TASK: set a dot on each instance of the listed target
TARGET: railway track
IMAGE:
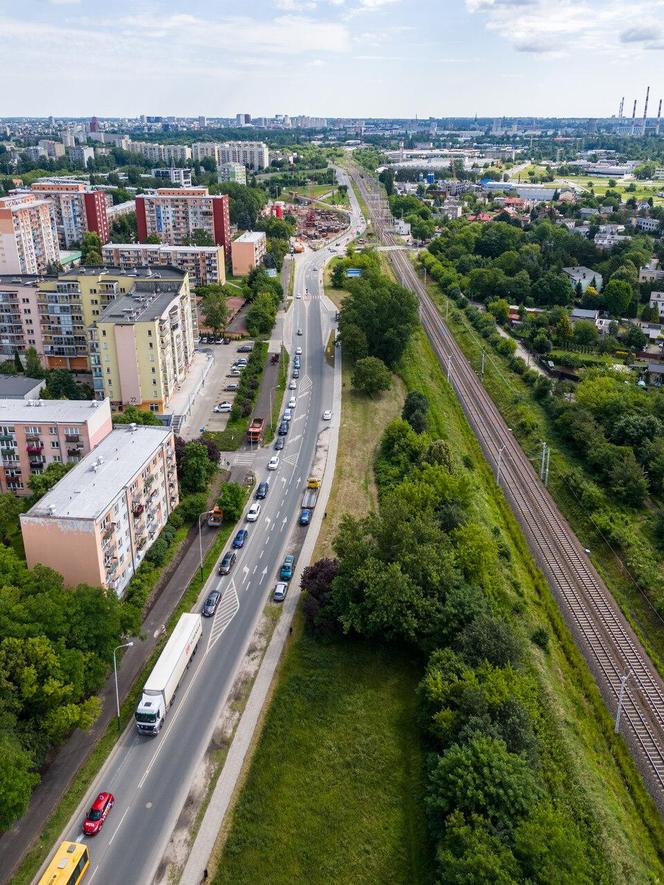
(608, 643)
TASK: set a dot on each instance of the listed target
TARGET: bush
(231, 500)
(540, 637)
(158, 552)
(192, 506)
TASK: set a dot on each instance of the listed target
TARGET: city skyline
(472, 56)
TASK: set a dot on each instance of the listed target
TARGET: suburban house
(584, 277)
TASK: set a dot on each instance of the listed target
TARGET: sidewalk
(69, 758)
(196, 866)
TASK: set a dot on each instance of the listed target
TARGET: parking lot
(203, 417)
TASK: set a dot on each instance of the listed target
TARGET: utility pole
(543, 462)
(483, 358)
(500, 462)
(623, 685)
(449, 368)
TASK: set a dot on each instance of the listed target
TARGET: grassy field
(600, 185)
(585, 763)
(308, 190)
(335, 790)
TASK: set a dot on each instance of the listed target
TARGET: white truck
(162, 683)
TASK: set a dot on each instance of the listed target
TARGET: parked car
(292, 402)
(298, 351)
(245, 348)
(327, 415)
(223, 407)
(296, 362)
(263, 489)
(233, 386)
(273, 463)
(240, 538)
(280, 592)
(101, 807)
(283, 428)
(240, 362)
(296, 373)
(305, 516)
(286, 570)
(227, 562)
(279, 443)
(292, 385)
(211, 603)
(253, 512)
(288, 415)
(234, 373)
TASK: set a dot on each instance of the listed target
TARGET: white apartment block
(652, 272)
(96, 525)
(160, 153)
(202, 149)
(81, 154)
(648, 225)
(175, 175)
(204, 264)
(28, 236)
(253, 154)
(657, 300)
(235, 172)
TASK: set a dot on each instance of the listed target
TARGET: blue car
(286, 571)
(305, 516)
(240, 538)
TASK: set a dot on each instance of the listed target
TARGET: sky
(348, 58)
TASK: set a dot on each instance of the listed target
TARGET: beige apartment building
(204, 264)
(253, 154)
(247, 252)
(96, 525)
(36, 433)
(173, 214)
(75, 208)
(142, 345)
(28, 236)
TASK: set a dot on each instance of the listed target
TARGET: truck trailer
(255, 430)
(320, 460)
(309, 499)
(162, 683)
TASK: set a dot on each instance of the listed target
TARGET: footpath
(69, 758)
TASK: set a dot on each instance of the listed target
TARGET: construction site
(315, 224)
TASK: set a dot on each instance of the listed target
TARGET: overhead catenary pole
(623, 686)
(500, 462)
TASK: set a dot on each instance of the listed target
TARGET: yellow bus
(68, 866)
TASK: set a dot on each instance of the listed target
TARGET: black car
(283, 428)
(227, 562)
(279, 443)
(296, 373)
(211, 603)
(262, 490)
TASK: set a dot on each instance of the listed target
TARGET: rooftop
(102, 269)
(251, 236)
(147, 301)
(581, 273)
(159, 247)
(45, 410)
(94, 483)
(15, 386)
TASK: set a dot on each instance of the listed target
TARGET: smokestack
(645, 111)
(634, 111)
(622, 105)
(659, 116)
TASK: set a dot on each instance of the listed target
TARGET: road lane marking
(93, 873)
(228, 608)
(110, 841)
(260, 555)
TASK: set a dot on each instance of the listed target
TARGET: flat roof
(159, 247)
(142, 271)
(85, 493)
(16, 385)
(41, 411)
(251, 236)
(146, 301)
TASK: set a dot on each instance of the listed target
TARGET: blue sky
(330, 57)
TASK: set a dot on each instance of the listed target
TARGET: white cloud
(554, 27)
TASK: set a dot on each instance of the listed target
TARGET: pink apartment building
(36, 433)
(28, 237)
(96, 525)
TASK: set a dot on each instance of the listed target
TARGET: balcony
(35, 448)
(137, 509)
(7, 437)
(108, 531)
(74, 453)
(72, 437)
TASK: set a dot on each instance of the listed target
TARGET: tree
(415, 411)
(354, 343)
(215, 312)
(196, 468)
(553, 288)
(17, 778)
(134, 415)
(200, 237)
(317, 584)
(585, 332)
(500, 309)
(261, 314)
(18, 365)
(40, 483)
(231, 500)
(371, 376)
(490, 639)
(483, 778)
(470, 853)
(33, 366)
(635, 338)
(617, 297)
(91, 248)
(152, 240)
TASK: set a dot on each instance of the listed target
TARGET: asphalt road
(150, 777)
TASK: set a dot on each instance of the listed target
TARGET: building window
(53, 430)
(55, 444)
(57, 458)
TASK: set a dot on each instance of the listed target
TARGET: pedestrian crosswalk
(243, 458)
(228, 608)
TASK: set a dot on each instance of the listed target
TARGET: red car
(98, 814)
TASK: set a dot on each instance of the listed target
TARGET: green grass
(586, 766)
(89, 770)
(644, 189)
(335, 790)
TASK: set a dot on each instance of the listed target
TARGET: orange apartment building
(247, 252)
(96, 525)
(36, 433)
(28, 238)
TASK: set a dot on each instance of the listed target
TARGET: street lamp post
(200, 539)
(115, 673)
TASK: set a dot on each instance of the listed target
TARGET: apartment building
(80, 154)
(28, 236)
(20, 324)
(247, 252)
(160, 153)
(253, 154)
(202, 149)
(142, 345)
(96, 525)
(36, 433)
(71, 302)
(648, 225)
(173, 214)
(652, 272)
(204, 264)
(75, 208)
(236, 172)
(52, 149)
(174, 174)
